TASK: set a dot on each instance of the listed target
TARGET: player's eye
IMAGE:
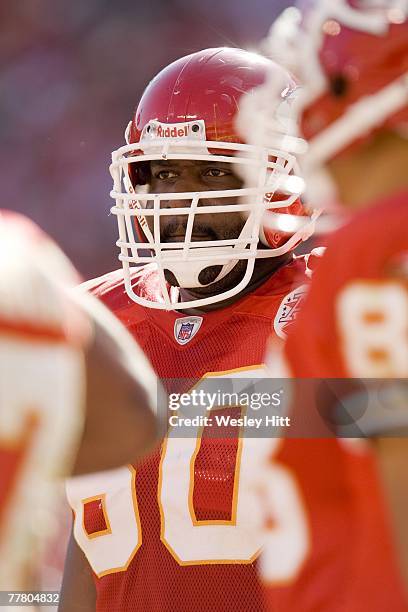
(215, 172)
(165, 175)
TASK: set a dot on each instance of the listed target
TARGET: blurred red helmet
(189, 111)
(351, 57)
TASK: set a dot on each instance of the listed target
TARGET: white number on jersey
(373, 320)
(189, 541)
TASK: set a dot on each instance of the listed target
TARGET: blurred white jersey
(42, 383)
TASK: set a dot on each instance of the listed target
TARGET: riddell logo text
(173, 132)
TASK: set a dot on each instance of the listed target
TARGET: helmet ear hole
(139, 173)
(339, 85)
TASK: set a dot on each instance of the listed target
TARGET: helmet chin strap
(187, 272)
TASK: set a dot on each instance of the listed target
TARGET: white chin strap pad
(187, 272)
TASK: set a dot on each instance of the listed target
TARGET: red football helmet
(189, 111)
(351, 57)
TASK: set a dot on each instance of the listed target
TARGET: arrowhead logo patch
(288, 310)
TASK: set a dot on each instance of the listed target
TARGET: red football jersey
(176, 532)
(353, 323)
(173, 534)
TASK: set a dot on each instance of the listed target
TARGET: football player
(175, 533)
(76, 393)
(352, 61)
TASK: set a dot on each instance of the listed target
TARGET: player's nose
(187, 183)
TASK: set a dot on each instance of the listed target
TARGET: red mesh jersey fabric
(94, 518)
(228, 339)
(157, 578)
(155, 581)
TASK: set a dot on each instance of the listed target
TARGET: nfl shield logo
(185, 331)
(186, 328)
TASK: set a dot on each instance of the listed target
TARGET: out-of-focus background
(71, 73)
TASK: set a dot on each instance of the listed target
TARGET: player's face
(177, 176)
(194, 176)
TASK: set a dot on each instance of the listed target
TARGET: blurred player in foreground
(352, 61)
(76, 393)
